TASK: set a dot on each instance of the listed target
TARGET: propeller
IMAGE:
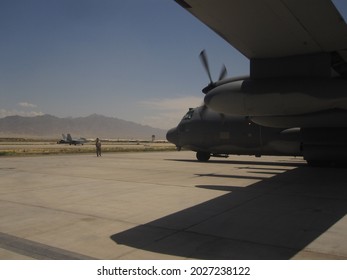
(204, 61)
(223, 73)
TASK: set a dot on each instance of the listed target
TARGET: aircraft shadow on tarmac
(272, 219)
(242, 162)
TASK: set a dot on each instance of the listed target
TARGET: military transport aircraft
(209, 133)
(298, 68)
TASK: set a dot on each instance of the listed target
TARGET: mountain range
(47, 126)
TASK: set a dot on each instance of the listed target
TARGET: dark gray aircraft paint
(297, 77)
(209, 133)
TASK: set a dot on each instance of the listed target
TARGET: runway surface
(166, 205)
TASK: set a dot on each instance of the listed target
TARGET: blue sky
(136, 60)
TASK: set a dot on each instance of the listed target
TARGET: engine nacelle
(281, 99)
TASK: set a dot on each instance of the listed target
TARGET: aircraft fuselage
(283, 102)
(205, 131)
(209, 133)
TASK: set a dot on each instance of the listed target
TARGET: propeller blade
(223, 73)
(203, 58)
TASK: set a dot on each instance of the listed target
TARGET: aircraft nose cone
(172, 136)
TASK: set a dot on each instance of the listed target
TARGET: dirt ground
(15, 147)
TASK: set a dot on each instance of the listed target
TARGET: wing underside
(276, 28)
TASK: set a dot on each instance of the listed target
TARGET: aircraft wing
(274, 28)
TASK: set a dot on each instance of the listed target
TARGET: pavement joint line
(69, 212)
(111, 179)
(37, 250)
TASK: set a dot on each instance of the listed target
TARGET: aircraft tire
(203, 156)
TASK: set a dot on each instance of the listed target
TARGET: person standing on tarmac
(98, 147)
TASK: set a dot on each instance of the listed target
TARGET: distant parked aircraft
(71, 141)
(63, 140)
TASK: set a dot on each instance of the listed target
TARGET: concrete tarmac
(166, 205)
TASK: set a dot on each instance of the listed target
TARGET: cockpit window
(189, 114)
